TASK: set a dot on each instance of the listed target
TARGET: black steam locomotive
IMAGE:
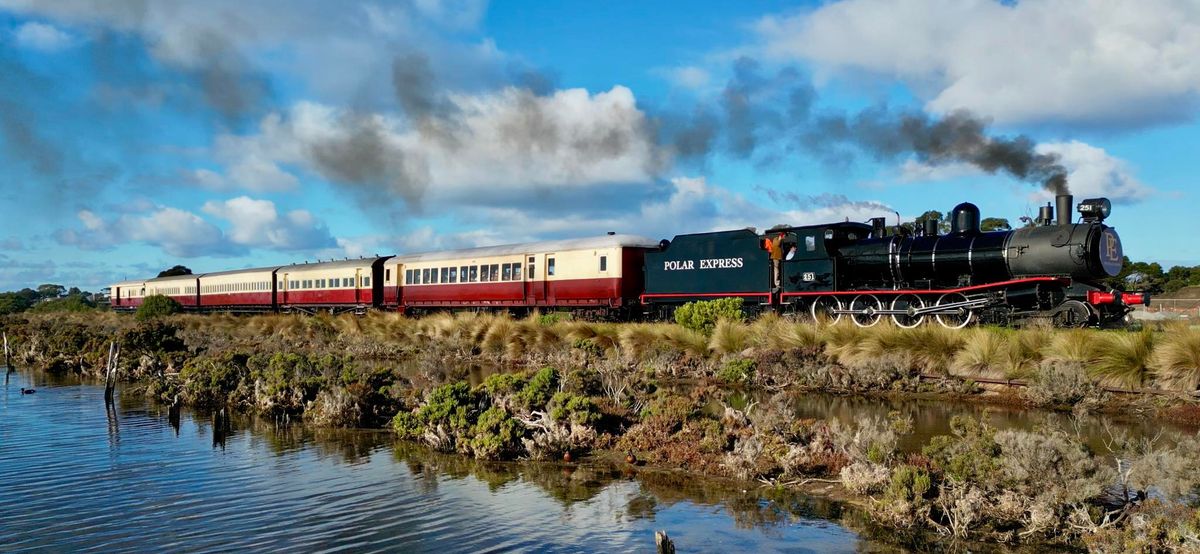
(1052, 270)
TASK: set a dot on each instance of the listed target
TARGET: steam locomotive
(861, 271)
(1051, 271)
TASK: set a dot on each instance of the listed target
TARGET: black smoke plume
(959, 137)
(767, 117)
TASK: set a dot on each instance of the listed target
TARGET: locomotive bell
(1095, 209)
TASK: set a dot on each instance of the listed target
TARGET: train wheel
(865, 310)
(908, 303)
(825, 309)
(957, 318)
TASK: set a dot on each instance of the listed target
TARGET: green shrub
(539, 389)
(578, 409)
(703, 316)
(908, 484)
(496, 435)
(970, 454)
(502, 384)
(737, 371)
(452, 405)
(408, 425)
(552, 318)
(157, 306)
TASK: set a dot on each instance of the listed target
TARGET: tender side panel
(727, 263)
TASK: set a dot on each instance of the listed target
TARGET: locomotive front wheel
(908, 303)
(826, 309)
(954, 317)
(865, 310)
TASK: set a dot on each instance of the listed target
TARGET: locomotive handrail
(1062, 280)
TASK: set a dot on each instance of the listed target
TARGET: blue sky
(139, 135)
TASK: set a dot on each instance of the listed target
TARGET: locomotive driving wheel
(909, 304)
(950, 314)
(865, 310)
(1072, 313)
(827, 309)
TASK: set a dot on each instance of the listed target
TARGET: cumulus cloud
(256, 223)
(1092, 171)
(1095, 62)
(178, 232)
(40, 36)
(509, 142)
(251, 224)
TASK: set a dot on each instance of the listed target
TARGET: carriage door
(358, 294)
(535, 284)
(284, 285)
(549, 267)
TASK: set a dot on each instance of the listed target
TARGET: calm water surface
(77, 477)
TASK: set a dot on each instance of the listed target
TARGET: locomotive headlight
(1095, 209)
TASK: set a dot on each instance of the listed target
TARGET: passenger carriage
(127, 295)
(603, 274)
(183, 289)
(241, 290)
(347, 285)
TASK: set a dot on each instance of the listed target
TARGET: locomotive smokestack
(1065, 203)
(1045, 215)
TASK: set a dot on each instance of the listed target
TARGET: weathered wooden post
(110, 377)
(663, 543)
(7, 361)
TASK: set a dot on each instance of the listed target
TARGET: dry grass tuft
(1123, 358)
(729, 337)
(984, 353)
(1176, 360)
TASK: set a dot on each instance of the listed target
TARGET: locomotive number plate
(809, 276)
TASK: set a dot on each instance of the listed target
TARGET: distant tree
(74, 291)
(51, 291)
(157, 305)
(995, 224)
(943, 224)
(69, 303)
(177, 270)
(12, 303)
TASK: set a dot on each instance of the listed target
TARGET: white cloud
(1101, 62)
(252, 224)
(177, 232)
(40, 36)
(1091, 171)
(496, 144)
(256, 223)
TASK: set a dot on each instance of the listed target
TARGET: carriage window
(550, 266)
(603, 263)
(425, 276)
(366, 281)
(516, 272)
(495, 272)
(506, 272)
(810, 243)
(445, 275)
(387, 275)
(454, 275)
(433, 276)
(474, 276)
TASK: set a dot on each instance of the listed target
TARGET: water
(77, 477)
